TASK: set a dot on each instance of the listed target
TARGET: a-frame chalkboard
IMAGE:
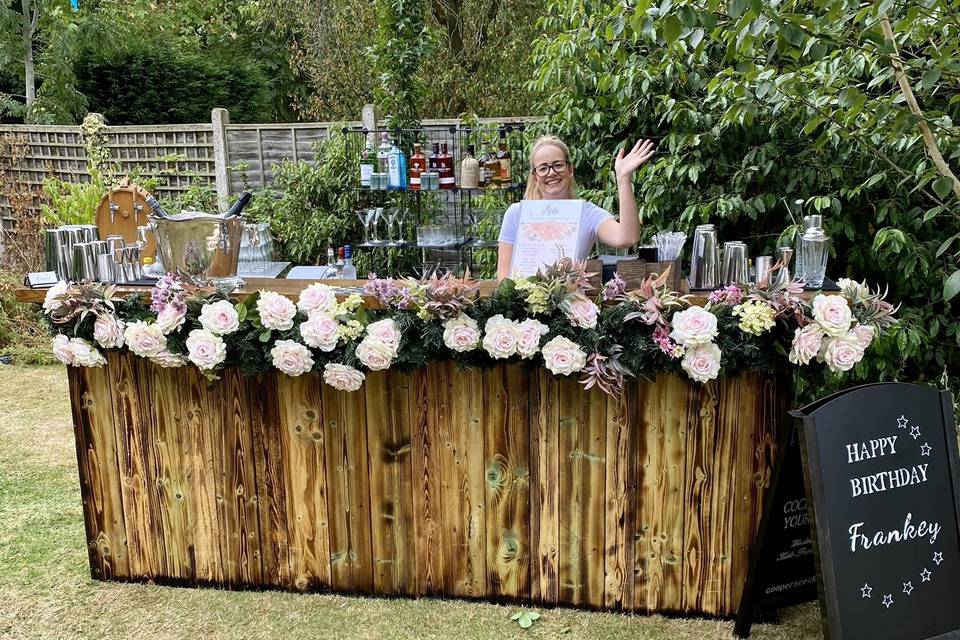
(881, 471)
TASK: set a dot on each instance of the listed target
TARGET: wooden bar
(505, 484)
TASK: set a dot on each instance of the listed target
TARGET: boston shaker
(735, 263)
(763, 265)
(705, 264)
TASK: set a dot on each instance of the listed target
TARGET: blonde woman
(551, 178)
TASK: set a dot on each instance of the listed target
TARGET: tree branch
(932, 148)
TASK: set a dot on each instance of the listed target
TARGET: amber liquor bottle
(418, 164)
(504, 159)
(445, 168)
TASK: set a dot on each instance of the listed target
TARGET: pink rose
(563, 356)
(168, 360)
(62, 350)
(317, 297)
(461, 333)
(172, 317)
(581, 311)
(528, 337)
(144, 340)
(841, 354)
(320, 331)
(342, 377)
(694, 326)
(85, 354)
(806, 344)
(50, 301)
(385, 331)
(702, 363)
(205, 349)
(864, 334)
(291, 358)
(108, 331)
(219, 317)
(276, 311)
(833, 314)
(374, 355)
(500, 339)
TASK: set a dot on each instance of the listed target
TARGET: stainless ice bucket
(200, 246)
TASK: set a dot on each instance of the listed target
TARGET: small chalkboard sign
(781, 563)
(881, 469)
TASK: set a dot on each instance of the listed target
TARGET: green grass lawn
(46, 591)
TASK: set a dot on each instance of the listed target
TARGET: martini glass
(390, 215)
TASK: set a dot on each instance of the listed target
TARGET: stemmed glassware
(377, 215)
(390, 215)
(401, 217)
(364, 216)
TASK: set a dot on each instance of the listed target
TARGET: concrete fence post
(368, 119)
(219, 120)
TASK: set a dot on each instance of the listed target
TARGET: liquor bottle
(445, 168)
(469, 170)
(505, 160)
(418, 164)
(490, 169)
(368, 160)
(154, 205)
(433, 162)
(383, 151)
(341, 262)
(397, 172)
(349, 271)
(237, 206)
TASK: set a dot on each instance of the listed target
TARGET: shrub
(23, 332)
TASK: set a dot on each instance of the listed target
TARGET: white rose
(168, 360)
(693, 326)
(702, 363)
(276, 311)
(833, 314)
(806, 344)
(386, 332)
(500, 336)
(529, 333)
(461, 333)
(563, 357)
(144, 340)
(864, 334)
(291, 358)
(49, 303)
(171, 318)
(581, 311)
(205, 349)
(85, 354)
(342, 377)
(841, 354)
(317, 297)
(374, 354)
(320, 331)
(219, 317)
(62, 349)
(108, 331)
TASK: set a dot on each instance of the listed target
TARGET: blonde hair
(533, 187)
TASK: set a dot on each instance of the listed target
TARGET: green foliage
(758, 103)
(71, 202)
(311, 202)
(402, 43)
(23, 331)
(525, 618)
(171, 86)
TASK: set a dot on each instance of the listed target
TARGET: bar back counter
(504, 484)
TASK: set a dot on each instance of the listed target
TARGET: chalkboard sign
(781, 563)
(881, 469)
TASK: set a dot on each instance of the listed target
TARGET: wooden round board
(121, 211)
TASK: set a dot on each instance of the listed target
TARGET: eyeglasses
(543, 170)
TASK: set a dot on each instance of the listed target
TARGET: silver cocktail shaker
(705, 263)
(762, 266)
(815, 249)
(735, 263)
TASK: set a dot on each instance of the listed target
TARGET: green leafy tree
(847, 106)
(401, 45)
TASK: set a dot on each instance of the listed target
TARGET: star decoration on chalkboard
(925, 449)
(915, 432)
(925, 574)
(938, 558)
(866, 590)
(902, 422)
(887, 600)
(908, 587)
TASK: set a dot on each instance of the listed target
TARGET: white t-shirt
(590, 220)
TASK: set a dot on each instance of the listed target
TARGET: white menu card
(547, 230)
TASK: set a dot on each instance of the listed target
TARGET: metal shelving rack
(462, 208)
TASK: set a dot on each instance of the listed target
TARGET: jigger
(783, 275)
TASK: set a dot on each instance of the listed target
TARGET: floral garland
(548, 319)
